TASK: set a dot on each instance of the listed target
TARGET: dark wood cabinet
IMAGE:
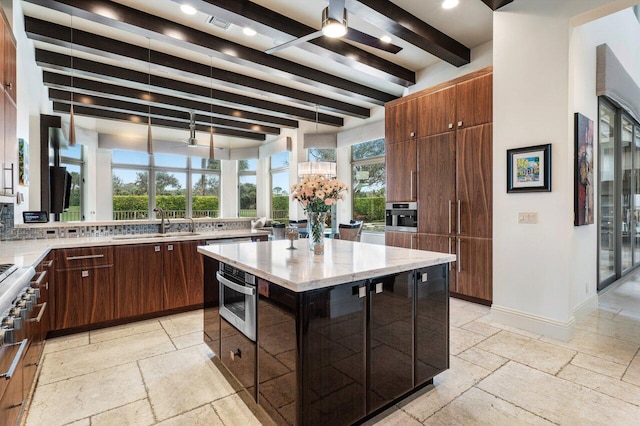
(474, 267)
(437, 184)
(475, 181)
(400, 239)
(390, 342)
(400, 121)
(474, 101)
(11, 389)
(10, 145)
(183, 274)
(9, 64)
(436, 112)
(401, 170)
(139, 279)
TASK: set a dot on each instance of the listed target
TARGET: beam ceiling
(496, 4)
(147, 25)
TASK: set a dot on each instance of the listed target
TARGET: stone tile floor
(159, 372)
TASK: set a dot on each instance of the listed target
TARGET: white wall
(536, 266)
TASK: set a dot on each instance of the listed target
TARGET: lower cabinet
(474, 268)
(400, 239)
(11, 389)
(139, 279)
(183, 274)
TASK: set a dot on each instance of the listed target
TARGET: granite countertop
(343, 261)
(31, 252)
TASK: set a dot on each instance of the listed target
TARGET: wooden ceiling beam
(391, 18)
(87, 111)
(57, 61)
(496, 4)
(282, 28)
(109, 48)
(111, 104)
(143, 24)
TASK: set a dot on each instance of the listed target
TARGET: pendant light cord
(72, 68)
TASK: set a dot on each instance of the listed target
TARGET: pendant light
(72, 120)
(211, 147)
(149, 135)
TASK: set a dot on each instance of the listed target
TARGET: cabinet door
(474, 102)
(238, 354)
(437, 184)
(69, 299)
(442, 244)
(432, 323)
(400, 239)
(390, 331)
(400, 121)
(13, 397)
(401, 171)
(9, 64)
(183, 275)
(333, 359)
(474, 156)
(138, 279)
(10, 145)
(474, 268)
(437, 112)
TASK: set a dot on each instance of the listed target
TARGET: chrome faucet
(163, 226)
(192, 225)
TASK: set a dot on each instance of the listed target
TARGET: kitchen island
(337, 337)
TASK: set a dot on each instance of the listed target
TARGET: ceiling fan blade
(336, 10)
(294, 42)
(362, 38)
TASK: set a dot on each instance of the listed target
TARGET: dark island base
(342, 354)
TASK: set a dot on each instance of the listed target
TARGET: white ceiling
(470, 23)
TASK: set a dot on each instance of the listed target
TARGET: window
(71, 158)
(182, 186)
(280, 187)
(368, 184)
(322, 154)
(247, 188)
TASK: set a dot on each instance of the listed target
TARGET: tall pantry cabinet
(8, 109)
(446, 166)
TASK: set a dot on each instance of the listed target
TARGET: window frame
(377, 159)
(81, 163)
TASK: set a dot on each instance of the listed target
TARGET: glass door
(626, 225)
(636, 196)
(606, 191)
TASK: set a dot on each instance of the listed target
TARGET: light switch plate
(528, 218)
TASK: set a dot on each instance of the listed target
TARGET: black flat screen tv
(60, 187)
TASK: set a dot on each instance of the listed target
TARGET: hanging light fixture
(72, 120)
(325, 168)
(149, 135)
(211, 147)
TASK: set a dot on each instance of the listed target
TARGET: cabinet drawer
(84, 257)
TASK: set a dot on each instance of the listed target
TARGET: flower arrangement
(317, 193)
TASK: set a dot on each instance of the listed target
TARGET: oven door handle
(249, 291)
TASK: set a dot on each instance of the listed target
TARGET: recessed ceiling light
(385, 39)
(249, 31)
(450, 4)
(188, 9)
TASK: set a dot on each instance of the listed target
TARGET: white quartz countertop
(343, 261)
(31, 252)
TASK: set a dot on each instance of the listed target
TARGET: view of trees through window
(368, 184)
(247, 188)
(173, 176)
(280, 188)
(71, 158)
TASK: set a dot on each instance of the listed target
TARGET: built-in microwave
(238, 299)
(402, 217)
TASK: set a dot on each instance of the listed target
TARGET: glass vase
(315, 228)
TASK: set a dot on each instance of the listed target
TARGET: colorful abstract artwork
(529, 169)
(584, 179)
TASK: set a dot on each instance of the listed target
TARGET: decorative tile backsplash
(9, 232)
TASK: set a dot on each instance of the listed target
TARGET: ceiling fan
(335, 25)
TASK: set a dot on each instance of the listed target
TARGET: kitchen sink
(181, 234)
(141, 236)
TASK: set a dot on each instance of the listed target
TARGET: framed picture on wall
(529, 169)
(23, 162)
(583, 168)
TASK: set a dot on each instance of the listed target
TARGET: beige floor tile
(86, 359)
(66, 342)
(124, 330)
(599, 365)
(598, 345)
(487, 320)
(476, 407)
(182, 380)
(460, 317)
(80, 397)
(393, 417)
(601, 383)
(233, 412)
(476, 307)
(632, 375)
(622, 330)
(187, 340)
(483, 358)
(626, 315)
(481, 328)
(460, 340)
(201, 416)
(448, 385)
(534, 353)
(137, 413)
(83, 422)
(555, 399)
(181, 324)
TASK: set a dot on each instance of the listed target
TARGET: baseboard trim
(585, 309)
(533, 323)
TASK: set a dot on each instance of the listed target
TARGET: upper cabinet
(474, 104)
(437, 112)
(9, 64)
(400, 121)
(8, 110)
